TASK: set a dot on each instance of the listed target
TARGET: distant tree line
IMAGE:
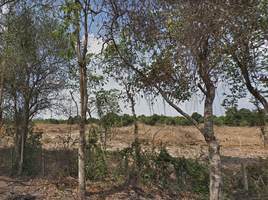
(233, 117)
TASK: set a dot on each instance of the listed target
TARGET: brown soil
(238, 144)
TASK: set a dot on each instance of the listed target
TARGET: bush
(197, 117)
(219, 121)
(62, 121)
(93, 120)
(46, 121)
(127, 120)
(141, 119)
(152, 120)
(182, 121)
(170, 121)
(111, 120)
(33, 147)
(258, 178)
(160, 169)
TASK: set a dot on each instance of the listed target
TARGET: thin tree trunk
(81, 149)
(83, 95)
(21, 154)
(81, 161)
(137, 143)
(3, 68)
(17, 136)
(25, 117)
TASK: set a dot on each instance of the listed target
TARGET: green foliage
(158, 168)
(95, 166)
(219, 121)
(170, 121)
(62, 191)
(93, 120)
(127, 120)
(71, 15)
(141, 119)
(32, 150)
(193, 173)
(152, 120)
(161, 119)
(242, 117)
(258, 178)
(47, 121)
(197, 117)
(74, 120)
(107, 102)
(63, 121)
(182, 121)
(111, 120)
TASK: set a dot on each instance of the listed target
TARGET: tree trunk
(21, 154)
(84, 99)
(215, 187)
(137, 143)
(25, 120)
(3, 70)
(82, 141)
(81, 161)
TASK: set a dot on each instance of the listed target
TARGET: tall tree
(246, 43)
(78, 16)
(173, 53)
(35, 68)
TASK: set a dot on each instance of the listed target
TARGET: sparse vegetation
(167, 171)
(178, 51)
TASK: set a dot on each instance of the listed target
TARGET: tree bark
(215, 187)
(81, 149)
(25, 117)
(84, 99)
(3, 70)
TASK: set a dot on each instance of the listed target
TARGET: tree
(35, 68)
(246, 35)
(4, 26)
(79, 15)
(173, 53)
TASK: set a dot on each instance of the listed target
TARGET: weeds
(258, 178)
(47, 140)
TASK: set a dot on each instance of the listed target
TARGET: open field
(236, 142)
(238, 145)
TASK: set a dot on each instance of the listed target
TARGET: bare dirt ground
(238, 144)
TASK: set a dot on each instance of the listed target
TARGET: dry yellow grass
(236, 142)
(173, 135)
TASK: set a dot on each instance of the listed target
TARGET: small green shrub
(33, 147)
(156, 167)
(258, 178)
(95, 164)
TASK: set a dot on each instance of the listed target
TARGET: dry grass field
(236, 142)
(238, 145)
